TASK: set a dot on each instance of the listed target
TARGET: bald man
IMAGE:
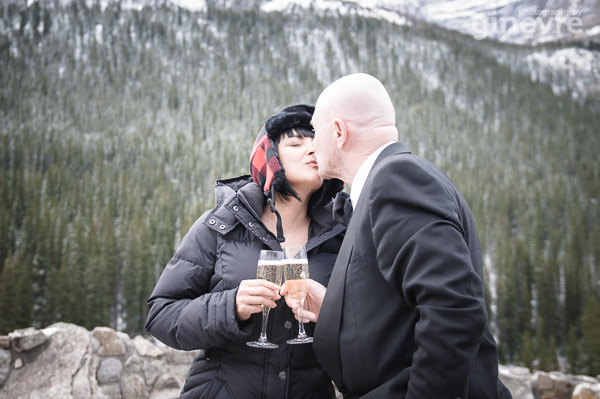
(404, 314)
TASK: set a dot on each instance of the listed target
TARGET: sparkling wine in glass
(268, 268)
(295, 271)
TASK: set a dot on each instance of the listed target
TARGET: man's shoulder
(403, 163)
(408, 175)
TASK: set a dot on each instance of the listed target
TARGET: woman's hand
(312, 303)
(252, 294)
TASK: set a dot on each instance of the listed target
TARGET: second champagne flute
(268, 268)
(295, 271)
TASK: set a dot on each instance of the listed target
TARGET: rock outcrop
(554, 385)
(66, 361)
(69, 362)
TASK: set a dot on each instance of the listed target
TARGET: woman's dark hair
(285, 190)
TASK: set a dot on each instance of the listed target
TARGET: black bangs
(294, 132)
(298, 132)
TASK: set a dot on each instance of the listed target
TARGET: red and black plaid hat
(265, 165)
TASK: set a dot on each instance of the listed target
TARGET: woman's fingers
(247, 305)
(245, 311)
(252, 295)
(256, 300)
(262, 283)
(260, 288)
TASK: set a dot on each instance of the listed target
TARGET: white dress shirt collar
(363, 172)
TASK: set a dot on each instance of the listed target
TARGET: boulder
(167, 386)
(517, 380)
(175, 356)
(109, 391)
(67, 361)
(48, 373)
(145, 348)
(26, 339)
(110, 344)
(82, 388)
(586, 390)
(134, 387)
(555, 385)
(4, 365)
(109, 371)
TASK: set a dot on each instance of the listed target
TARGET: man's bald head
(358, 99)
(353, 117)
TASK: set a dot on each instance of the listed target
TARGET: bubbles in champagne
(269, 270)
(295, 269)
(296, 275)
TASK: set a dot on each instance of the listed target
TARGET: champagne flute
(268, 268)
(295, 271)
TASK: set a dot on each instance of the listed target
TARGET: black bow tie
(342, 208)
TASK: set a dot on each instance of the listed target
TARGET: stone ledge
(65, 360)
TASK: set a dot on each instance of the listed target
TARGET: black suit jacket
(404, 315)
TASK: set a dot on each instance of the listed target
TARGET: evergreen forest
(115, 123)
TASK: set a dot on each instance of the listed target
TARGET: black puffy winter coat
(193, 303)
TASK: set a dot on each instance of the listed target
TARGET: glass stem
(265, 318)
(301, 332)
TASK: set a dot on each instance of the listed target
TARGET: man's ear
(340, 132)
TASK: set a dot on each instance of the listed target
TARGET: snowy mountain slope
(518, 22)
(538, 27)
(523, 22)
(507, 21)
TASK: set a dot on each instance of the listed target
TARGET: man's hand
(252, 294)
(312, 303)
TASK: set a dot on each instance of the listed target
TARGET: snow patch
(367, 9)
(193, 5)
(594, 31)
(581, 68)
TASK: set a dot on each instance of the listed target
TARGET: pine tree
(552, 354)
(527, 356)
(9, 312)
(542, 352)
(573, 356)
(590, 342)
(16, 299)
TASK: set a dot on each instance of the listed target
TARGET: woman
(208, 296)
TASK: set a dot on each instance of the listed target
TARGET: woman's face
(298, 159)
